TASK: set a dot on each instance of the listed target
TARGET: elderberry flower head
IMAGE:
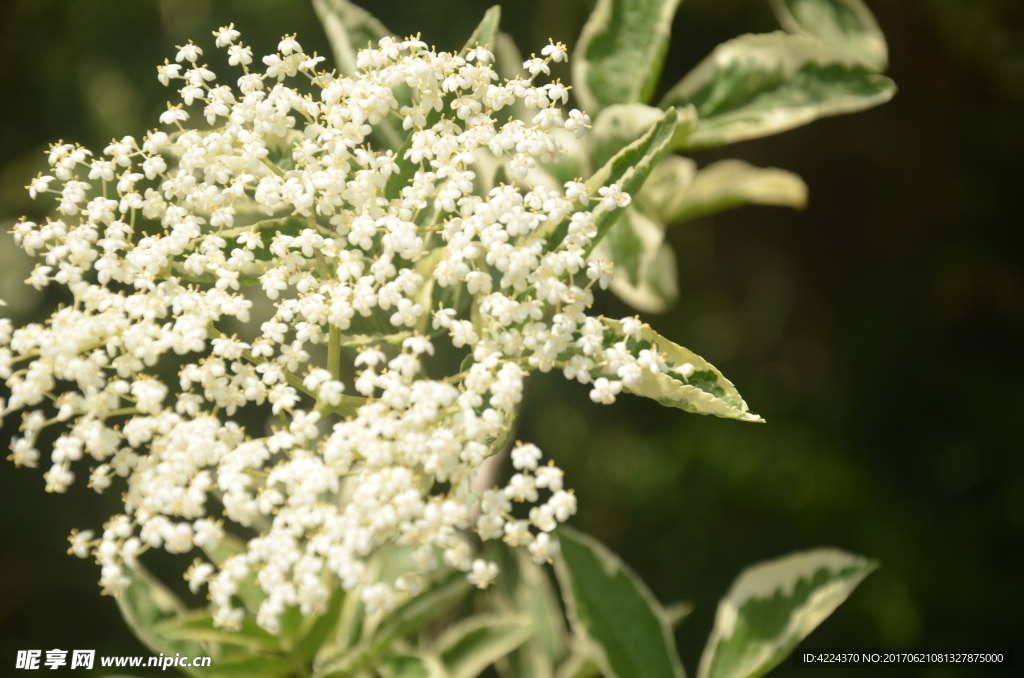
(284, 218)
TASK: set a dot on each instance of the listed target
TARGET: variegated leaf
(486, 32)
(622, 626)
(619, 125)
(197, 625)
(704, 391)
(845, 25)
(628, 169)
(670, 178)
(620, 52)
(645, 266)
(145, 604)
(721, 186)
(474, 643)
(773, 606)
(420, 665)
(757, 85)
(349, 29)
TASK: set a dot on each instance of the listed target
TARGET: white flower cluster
(366, 249)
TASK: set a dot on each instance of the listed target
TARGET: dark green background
(879, 332)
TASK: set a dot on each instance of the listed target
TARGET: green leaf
(508, 63)
(486, 32)
(610, 607)
(629, 169)
(705, 391)
(721, 186)
(249, 591)
(348, 653)
(145, 604)
(421, 665)
(667, 182)
(423, 608)
(536, 597)
(773, 606)
(526, 588)
(844, 25)
(324, 625)
(473, 644)
(349, 28)
(620, 52)
(619, 125)
(678, 612)
(250, 665)
(579, 664)
(645, 266)
(757, 85)
(198, 625)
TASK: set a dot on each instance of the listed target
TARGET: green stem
(274, 168)
(334, 353)
(348, 405)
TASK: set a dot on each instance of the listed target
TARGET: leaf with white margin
(620, 52)
(343, 657)
(645, 265)
(421, 665)
(619, 125)
(620, 624)
(668, 181)
(198, 625)
(628, 169)
(508, 64)
(526, 587)
(472, 644)
(249, 591)
(724, 185)
(678, 612)
(579, 664)
(350, 28)
(486, 31)
(757, 85)
(705, 391)
(844, 25)
(774, 605)
(145, 604)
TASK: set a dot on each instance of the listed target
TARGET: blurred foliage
(878, 332)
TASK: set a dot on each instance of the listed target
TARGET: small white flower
(239, 55)
(168, 72)
(226, 35)
(535, 66)
(189, 52)
(482, 574)
(577, 122)
(40, 184)
(480, 54)
(289, 45)
(544, 549)
(604, 391)
(613, 196)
